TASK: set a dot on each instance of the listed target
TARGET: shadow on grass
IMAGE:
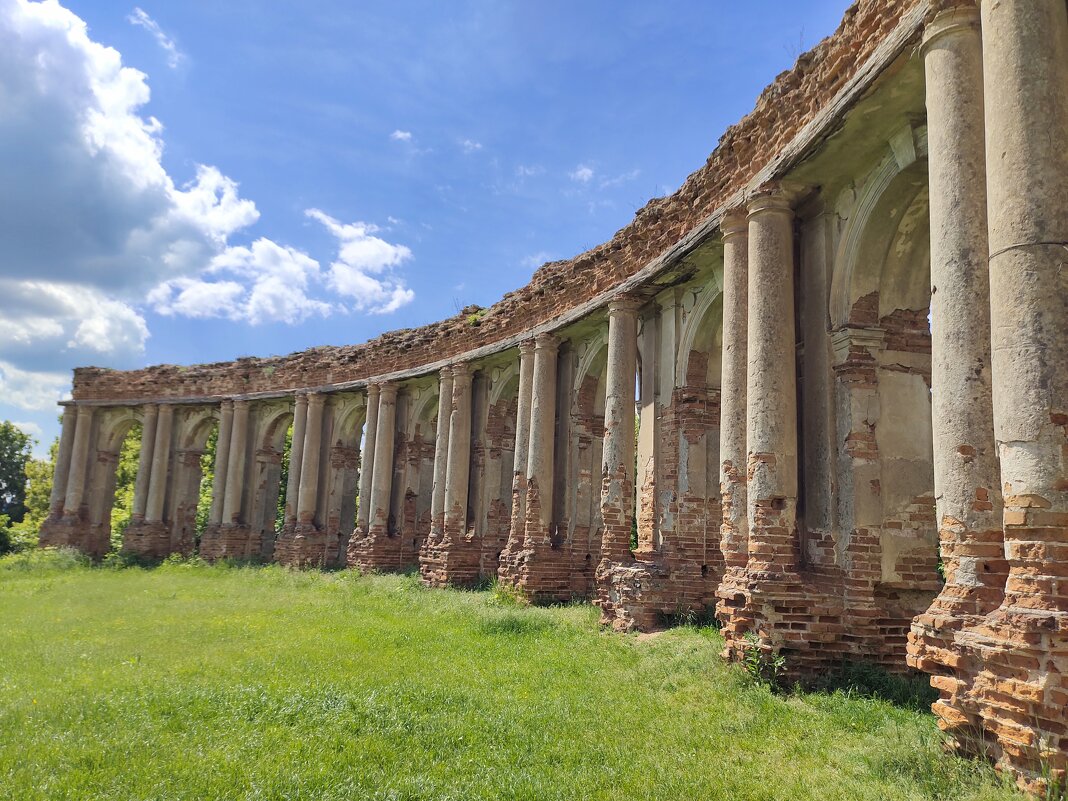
(910, 691)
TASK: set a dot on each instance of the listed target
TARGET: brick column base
(376, 551)
(302, 545)
(76, 533)
(450, 563)
(148, 540)
(796, 615)
(229, 542)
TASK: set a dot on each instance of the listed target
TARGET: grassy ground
(194, 682)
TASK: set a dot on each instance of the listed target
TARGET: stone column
(540, 443)
(1025, 47)
(441, 455)
(522, 438)
(771, 387)
(967, 483)
(617, 461)
(161, 460)
(296, 455)
(458, 476)
(367, 458)
(309, 463)
(144, 462)
(734, 530)
(79, 459)
(1023, 645)
(235, 467)
(382, 480)
(62, 470)
(222, 456)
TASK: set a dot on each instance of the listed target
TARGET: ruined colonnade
(817, 391)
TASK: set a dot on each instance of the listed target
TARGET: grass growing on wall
(195, 682)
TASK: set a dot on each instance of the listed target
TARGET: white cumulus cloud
(401, 136)
(32, 389)
(363, 269)
(94, 229)
(263, 283)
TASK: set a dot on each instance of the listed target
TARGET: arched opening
(414, 481)
(342, 492)
(125, 479)
(497, 398)
(580, 446)
(205, 496)
(190, 496)
(696, 407)
(883, 388)
(269, 474)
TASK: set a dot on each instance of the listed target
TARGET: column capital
(461, 371)
(84, 411)
(624, 304)
(546, 341)
(958, 19)
(150, 408)
(315, 398)
(226, 402)
(387, 389)
(526, 347)
(772, 199)
(735, 223)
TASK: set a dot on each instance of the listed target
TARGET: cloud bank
(96, 231)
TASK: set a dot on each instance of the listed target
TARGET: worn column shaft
(522, 441)
(1025, 46)
(458, 477)
(382, 480)
(62, 470)
(771, 387)
(310, 456)
(542, 435)
(79, 458)
(222, 456)
(734, 530)
(161, 460)
(617, 461)
(367, 458)
(296, 455)
(441, 453)
(144, 461)
(235, 468)
(967, 485)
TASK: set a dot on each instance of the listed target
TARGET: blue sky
(195, 181)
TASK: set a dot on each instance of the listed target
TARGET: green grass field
(194, 682)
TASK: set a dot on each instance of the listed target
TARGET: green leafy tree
(38, 498)
(15, 453)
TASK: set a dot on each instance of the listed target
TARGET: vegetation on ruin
(189, 681)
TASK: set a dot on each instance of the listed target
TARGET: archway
(888, 541)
